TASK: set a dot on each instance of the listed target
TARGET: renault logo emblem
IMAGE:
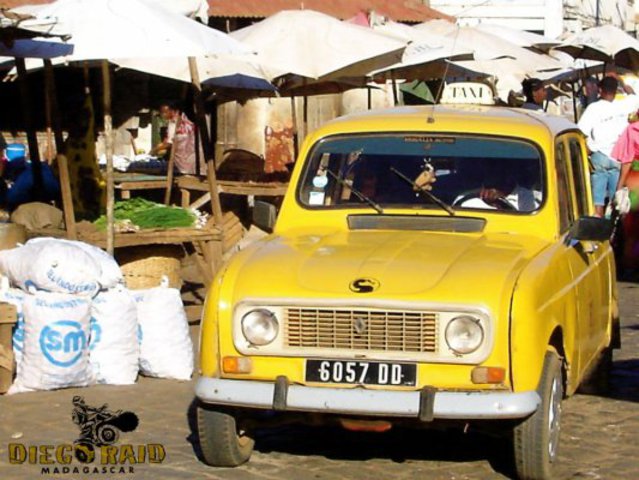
(364, 285)
(360, 325)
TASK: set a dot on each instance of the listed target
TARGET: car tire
(223, 444)
(535, 440)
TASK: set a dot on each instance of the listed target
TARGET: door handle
(590, 247)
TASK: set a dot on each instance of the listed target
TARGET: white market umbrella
(308, 49)
(105, 29)
(425, 56)
(109, 29)
(35, 48)
(493, 56)
(605, 43)
(317, 46)
(222, 71)
(487, 46)
(521, 38)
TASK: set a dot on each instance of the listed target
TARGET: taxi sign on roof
(468, 93)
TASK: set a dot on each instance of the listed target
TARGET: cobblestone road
(599, 437)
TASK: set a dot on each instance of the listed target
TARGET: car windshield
(392, 170)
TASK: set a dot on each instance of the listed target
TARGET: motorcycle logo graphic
(98, 427)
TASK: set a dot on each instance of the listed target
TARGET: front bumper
(426, 404)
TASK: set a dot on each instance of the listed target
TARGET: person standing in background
(180, 135)
(603, 122)
(535, 93)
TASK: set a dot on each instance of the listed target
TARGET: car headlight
(464, 334)
(260, 326)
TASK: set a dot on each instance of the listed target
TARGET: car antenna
(431, 116)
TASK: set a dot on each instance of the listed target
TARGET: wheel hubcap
(554, 415)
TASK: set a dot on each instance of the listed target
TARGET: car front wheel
(536, 439)
(223, 442)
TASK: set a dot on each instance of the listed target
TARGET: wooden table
(127, 182)
(188, 183)
(206, 241)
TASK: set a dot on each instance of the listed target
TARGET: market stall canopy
(217, 71)
(605, 44)
(508, 64)
(318, 47)
(34, 48)
(487, 46)
(109, 29)
(521, 38)
(425, 55)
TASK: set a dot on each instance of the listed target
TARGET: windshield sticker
(316, 198)
(320, 181)
(424, 139)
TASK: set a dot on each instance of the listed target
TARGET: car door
(599, 254)
(577, 329)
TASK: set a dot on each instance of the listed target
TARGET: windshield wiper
(357, 193)
(423, 190)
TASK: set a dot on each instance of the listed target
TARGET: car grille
(381, 330)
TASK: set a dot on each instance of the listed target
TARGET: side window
(566, 210)
(578, 176)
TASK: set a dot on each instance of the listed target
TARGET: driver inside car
(506, 185)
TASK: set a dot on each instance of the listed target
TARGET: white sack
(56, 334)
(111, 274)
(166, 350)
(53, 266)
(113, 347)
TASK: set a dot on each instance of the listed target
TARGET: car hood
(428, 265)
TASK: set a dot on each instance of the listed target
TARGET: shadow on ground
(398, 445)
(624, 382)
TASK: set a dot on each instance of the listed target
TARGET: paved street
(599, 438)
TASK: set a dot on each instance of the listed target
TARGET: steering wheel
(500, 203)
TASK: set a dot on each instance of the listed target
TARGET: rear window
(466, 172)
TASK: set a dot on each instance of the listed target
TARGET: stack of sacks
(65, 287)
(78, 324)
(166, 349)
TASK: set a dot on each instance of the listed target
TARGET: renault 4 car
(428, 267)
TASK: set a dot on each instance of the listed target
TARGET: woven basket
(144, 267)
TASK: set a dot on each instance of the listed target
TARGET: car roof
(452, 118)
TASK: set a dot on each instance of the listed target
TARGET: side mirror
(591, 229)
(264, 215)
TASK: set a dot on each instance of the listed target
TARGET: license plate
(370, 373)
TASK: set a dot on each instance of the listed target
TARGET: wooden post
(395, 94)
(108, 142)
(206, 144)
(574, 101)
(32, 139)
(296, 147)
(369, 95)
(52, 97)
(305, 116)
(67, 198)
(169, 167)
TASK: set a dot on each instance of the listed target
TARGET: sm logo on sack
(62, 342)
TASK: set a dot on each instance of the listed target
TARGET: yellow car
(428, 266)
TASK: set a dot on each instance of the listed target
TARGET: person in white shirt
(603, 122)
(506, 185)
